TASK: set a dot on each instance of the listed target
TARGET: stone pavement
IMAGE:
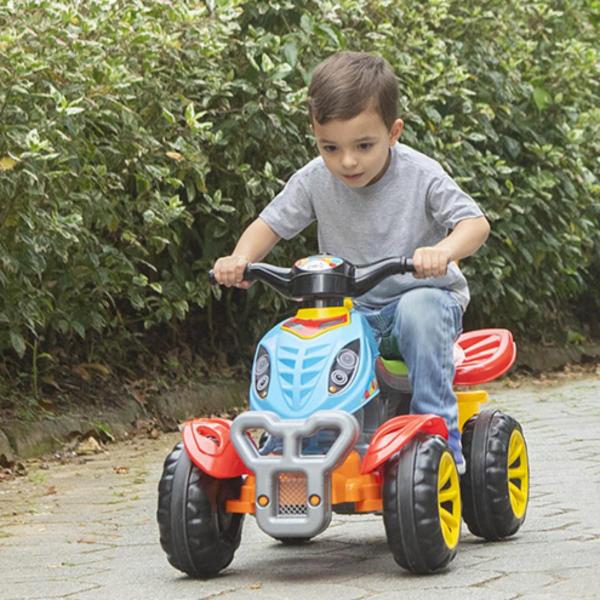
(87, 531)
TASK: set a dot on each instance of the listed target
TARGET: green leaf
(542, 98)
(290, 51)
(266, 63)
(18, 343)
(79, 328)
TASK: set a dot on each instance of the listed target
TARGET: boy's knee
(421, 305)
(421, 312)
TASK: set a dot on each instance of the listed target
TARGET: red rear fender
(486, 354)
(208, 444)
(396, 433)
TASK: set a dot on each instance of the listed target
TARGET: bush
(138, 139)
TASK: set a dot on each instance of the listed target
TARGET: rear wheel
(495, 487)
(422, 506)
(199, 537)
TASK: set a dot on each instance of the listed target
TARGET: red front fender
(396, 433)
(208, 444)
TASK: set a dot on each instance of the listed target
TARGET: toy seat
(479, 356)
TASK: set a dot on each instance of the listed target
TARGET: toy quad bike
(336, 438)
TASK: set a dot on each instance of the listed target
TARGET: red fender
(396, 433)
(488, 353)
(208, 444)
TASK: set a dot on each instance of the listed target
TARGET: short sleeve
(448, 204)
(291, 210)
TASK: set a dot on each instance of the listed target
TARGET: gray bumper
(289, 482)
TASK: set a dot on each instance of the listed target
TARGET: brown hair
(346, 83)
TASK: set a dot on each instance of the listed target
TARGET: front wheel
(495, 487)
(422, 506)
(199, 537)
(293, 541)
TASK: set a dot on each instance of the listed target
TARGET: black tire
(494, 498)
(293, 541)
(411, 505)
(196, 533)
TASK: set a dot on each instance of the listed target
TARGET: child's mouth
(353, 177)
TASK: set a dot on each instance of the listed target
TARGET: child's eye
(365, 146)
(329, 148)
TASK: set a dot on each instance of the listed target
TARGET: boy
(374, 198)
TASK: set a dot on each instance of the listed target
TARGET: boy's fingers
(229, 270)
(427, 265)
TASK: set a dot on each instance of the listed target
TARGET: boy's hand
(229, 271)
(430, 261)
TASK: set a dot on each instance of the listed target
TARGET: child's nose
(348, 160)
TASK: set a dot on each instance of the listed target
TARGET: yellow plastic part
(315, 314)
(325, 312)
(468, 404)
(518, 473)
(449, 500)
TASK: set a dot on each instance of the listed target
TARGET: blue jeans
(423, 325)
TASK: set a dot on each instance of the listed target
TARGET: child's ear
(396, 131)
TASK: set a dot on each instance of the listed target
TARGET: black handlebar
(328, 277)
(368, 276)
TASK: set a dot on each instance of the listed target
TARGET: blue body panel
(300, 368)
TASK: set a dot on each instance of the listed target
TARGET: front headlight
(262, 372)
(344, 367)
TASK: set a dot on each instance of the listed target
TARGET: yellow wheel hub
(449, 500)
(518, 473)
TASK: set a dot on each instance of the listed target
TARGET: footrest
(485, 355)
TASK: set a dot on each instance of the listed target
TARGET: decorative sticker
(320, 262)
(373, 387)
(310, 328)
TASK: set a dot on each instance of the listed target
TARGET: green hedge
(138, 139)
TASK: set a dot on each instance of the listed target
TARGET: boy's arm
(466, 238)
(255, 243)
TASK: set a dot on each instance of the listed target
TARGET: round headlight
(262, 364)
(347, 359)
(339, 377)
(262, 383)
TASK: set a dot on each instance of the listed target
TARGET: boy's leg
(427, 322)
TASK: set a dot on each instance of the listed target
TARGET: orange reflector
(314, 500)
(262, 500)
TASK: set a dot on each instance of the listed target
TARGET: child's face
(356, 151)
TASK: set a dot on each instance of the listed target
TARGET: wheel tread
(410, 508)
(486, 505)
(201, 548)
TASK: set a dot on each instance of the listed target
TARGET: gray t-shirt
(414, 204)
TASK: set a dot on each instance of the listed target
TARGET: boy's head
(347, 83)
(353, 101)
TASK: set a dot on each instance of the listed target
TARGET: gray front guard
(317, 469)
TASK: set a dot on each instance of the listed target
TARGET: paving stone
(88, 531)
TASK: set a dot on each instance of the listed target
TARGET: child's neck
(383, 170)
